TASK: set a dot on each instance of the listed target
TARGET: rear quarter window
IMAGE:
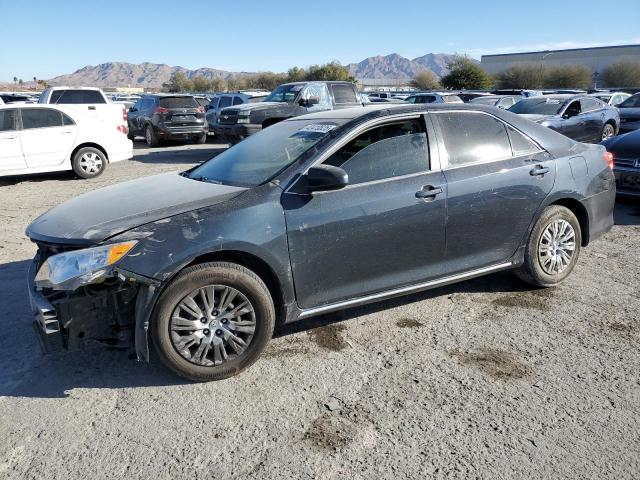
(343, 93)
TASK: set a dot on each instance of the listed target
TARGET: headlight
(244, 116)
(70, 270)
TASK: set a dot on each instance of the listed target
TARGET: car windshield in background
(179, 102)
(604, 98)
(284, 93)
(262, 156)
(256, 99)
(631, 102)
(485, 100)
(538, 106)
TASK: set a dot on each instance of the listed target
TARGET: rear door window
(225, 102)
(343, 93)
(471, 137)
(590, 104)
(40, 118)
(387, 151)
(179, 102)
(7, 120)
(237, 100)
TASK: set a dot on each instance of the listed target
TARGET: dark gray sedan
(312, 215)
(625, 150)
(581, 117)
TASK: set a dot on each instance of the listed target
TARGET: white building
(596, 58)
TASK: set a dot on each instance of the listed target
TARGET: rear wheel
(151, 137)
(89, 162)
(608, 131)
(553, 247)
(202, 138)
(213, 321)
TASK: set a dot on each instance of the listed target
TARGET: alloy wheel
(608, 131)
(212, 325)
(91, 163)
(556, 247)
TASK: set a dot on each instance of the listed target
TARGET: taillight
(201, 109)
(162, 110)
(608, 157)
(122, 129)
(124, 114)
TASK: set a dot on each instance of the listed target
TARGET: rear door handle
(539, 170)
(91, 108)
(428, 192)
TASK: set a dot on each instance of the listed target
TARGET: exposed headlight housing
(70, 270)
(244, 116)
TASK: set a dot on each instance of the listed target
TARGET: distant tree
(296, 74)
(218, 84)
(20, 82)
(15, 79)
(623, 73)
(266, 80)
(568, 76)
(43, 84)
(35, 80)
(425, 80)
(464, 73)
(521, 76)
(237, 83)
(328, 71)
(200, 84)
(179, 83)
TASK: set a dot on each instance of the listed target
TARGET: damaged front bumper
(113, 312)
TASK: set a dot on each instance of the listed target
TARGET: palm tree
(15, 79)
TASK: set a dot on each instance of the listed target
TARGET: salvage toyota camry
(313, 215)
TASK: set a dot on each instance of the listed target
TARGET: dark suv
(167, 117)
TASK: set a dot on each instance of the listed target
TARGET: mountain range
(388, 68)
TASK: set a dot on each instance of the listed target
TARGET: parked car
(581, 117)
(161, 117)
(612, 99)
(466, 97)
(626, 162)
(433, 97)
(50, 138)
(630, 114)
(376, 100)
(16, 98)
(500, 101)
(224, 100)
(312, 215)
(286, 101)
(89, 100)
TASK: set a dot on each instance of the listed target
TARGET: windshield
(262, 156)
(284, 93)
(604, 98)
(631, 102)
(538, 106)
(485, 100)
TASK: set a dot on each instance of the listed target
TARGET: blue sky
(48, 38)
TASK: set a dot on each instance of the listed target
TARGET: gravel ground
(484, 379)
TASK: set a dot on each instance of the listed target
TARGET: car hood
(95, 216)
(624, 146)
(536, 117)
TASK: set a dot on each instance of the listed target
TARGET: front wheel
(553, 247)
(608, 131)
(213, 321)
(89, 162)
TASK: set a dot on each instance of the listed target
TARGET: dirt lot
(484, 379)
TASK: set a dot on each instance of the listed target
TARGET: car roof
(73, 88)
(344, 82)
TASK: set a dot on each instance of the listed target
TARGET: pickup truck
(86, 100)
(286, 101)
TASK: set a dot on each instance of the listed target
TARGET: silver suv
(224, 100)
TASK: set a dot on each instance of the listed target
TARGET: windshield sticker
(317, 128)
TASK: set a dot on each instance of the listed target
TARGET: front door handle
(428, 192)
(539, 170)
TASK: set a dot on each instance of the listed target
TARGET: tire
(89, 162)
(190, 346)
(608, 131)
(151, 137)
(130, 135)
(539, 268)
(202, 138)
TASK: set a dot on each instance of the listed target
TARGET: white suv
(37, 138)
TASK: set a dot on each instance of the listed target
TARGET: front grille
(228, 117)
(627, 162)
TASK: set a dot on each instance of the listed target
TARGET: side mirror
(133, 109)
(309, 102)
(326, 177)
